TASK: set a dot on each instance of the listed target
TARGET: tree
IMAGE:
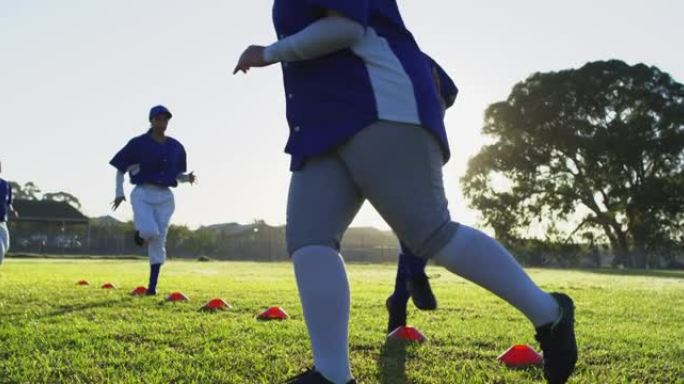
(601, 147)
(32, 191)
(63, 197)
(28, 192)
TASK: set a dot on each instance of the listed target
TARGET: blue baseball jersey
(5, 199)
(150, 162)
(384, 76)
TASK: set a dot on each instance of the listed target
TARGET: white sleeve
(327, 35)
(119, 184)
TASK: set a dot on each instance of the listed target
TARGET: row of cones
(216, 304)
(517, 356)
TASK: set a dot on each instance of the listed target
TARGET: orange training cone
(83, 282)
(177, 296)
(139, 291)
(405, 333)
(216, 305)
(273, 313)
(108, 286)
(519, 356)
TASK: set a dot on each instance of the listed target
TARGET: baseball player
(5, 209)
(366, 123)
(155, 163)
(411, 280)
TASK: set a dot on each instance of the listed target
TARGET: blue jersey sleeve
(447, 88)
(9, 194)
(124, 158)
(357, 10)
(183, 161)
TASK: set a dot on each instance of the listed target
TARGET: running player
(6, 208)
(412, 281)
(155, 163)
(365, 123)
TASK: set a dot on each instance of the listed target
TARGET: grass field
(630, 326)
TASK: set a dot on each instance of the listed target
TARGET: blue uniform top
(384, 76)
(5, 199)
(151, 162)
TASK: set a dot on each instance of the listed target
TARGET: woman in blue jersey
(155, 163)
(366, 124)
(6, 209)
(411, 280)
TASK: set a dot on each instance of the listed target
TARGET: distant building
(48, 226)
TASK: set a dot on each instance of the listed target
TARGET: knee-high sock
(324, 293)
(479, 258)
(154, 277)
(401, 293)
(412, 264)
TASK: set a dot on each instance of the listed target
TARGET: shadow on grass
(393, 363)
(67, 309)
(673, 274)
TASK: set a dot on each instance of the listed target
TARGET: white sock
(477, 257)
(324, 292)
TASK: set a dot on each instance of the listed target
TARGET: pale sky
(77, 78)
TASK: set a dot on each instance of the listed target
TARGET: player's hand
(117, 202)
(14, 212)
(253, 56)
(192, 179)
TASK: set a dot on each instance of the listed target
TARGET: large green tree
(597, 149)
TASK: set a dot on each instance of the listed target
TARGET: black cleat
(311, 376)
(139, 241)
(421, 292)
(150, 293)
(397, 315)
(558, 342)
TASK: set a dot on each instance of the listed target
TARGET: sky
(77, 78)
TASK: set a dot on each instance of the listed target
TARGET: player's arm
(329, 34)
(119, 196)
(446, 88)
(183, 177)
(187, 178)
(124, 161)
(9, 203)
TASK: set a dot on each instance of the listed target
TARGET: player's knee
(428, 245)
(297, 244)
(157, 255)
(149, 233)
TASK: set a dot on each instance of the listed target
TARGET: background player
(411, 280)
(6, 209)
(155, 163)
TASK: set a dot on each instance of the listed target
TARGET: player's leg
(4, 241)
(411, 282)
(163, 210)
(143, 202)
(397, 302)
(408, 192)
(417, 282)
(322, 202)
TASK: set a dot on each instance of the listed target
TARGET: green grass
(630, 327)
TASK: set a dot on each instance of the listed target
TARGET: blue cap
(159, 110)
